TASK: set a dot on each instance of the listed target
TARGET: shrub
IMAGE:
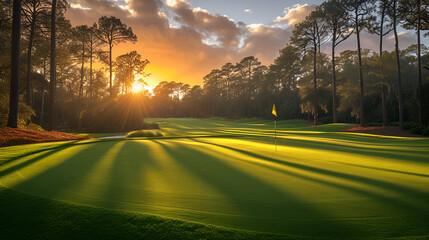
(410, 125)
(34, 127)
(326, 120)
(418, 129)
(394, 124)
(374, 124)
(145, 133)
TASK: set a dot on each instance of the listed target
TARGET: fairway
(321, 183)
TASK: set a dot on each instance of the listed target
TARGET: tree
(53, 73)
(247, 66)
(127, 67)
(195, 94)
(359, 11)
(338, 23)
(394, 16)
(309, 35)
(82, 35)
(382, 29)
(94, 44)
(32, 9)
(227, 70)
(15, 60)
(112, 31)
(412, 13)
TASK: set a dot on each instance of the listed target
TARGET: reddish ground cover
(14, 136)
(387, 131)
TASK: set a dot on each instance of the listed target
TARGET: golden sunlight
(137, 87)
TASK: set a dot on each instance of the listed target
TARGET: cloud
(265, 42)
(79, 6)
(219, 29)
(372, 41)
(295, 14)
(248, 11)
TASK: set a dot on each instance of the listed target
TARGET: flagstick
(275, 133)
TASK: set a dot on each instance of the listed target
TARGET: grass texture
(145, 133)
(220, 179)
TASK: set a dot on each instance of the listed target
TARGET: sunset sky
(186, 39)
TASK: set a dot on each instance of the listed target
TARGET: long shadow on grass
(28, 162)
(339, 147)
(422, 196)
(43, 149)
(383, 169)
(266, 207)
(125, 177)
(69, 174)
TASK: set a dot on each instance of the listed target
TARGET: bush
(394, 124)
(411, 125)
(418, 129)
(34, 127)
(145, 133)
(326, 120)
(374, 124)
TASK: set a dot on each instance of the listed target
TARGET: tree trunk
(315, 105)
(43, 93)
(398, 70)
(52, 69)
(250, 90)
(82, 70)
(362, 108)
(15, 58)
(30, 46)
(419, 65)
(383, 79)
(334, 90)
(90, 71)
(110, 66)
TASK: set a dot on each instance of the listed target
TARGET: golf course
(219, 179)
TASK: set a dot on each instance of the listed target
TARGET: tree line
(359, 85)
(56, 64)
(304, 81)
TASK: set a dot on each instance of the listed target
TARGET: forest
(64, 77)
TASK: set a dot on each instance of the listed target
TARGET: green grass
(220, 179)
(99, 135)
(145, 133)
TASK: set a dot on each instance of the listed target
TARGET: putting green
(320, 183)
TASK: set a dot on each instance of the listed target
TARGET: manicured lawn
(99, 135)
(216, 176)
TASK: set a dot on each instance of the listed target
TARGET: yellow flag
(274, 112)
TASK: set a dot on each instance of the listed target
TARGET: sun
(138, 87)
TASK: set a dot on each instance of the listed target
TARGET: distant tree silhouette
(53, 73)
(415, 13)
(382, 28)
(112, 31)
(338, 23)
(15, 60)
(127, 67)
(309, 34)
(394, 15)
(360, 13)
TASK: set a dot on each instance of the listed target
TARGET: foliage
(127, 67)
